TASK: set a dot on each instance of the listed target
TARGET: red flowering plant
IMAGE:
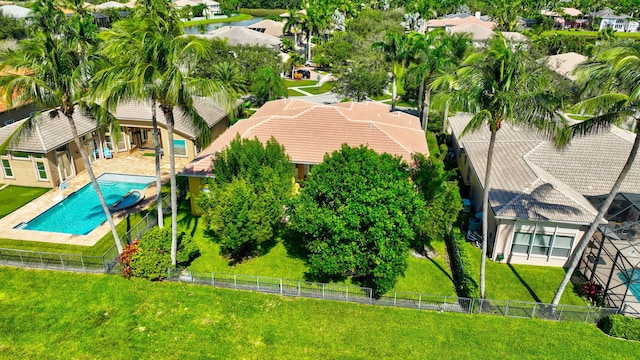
(127, 256)
(593, 292)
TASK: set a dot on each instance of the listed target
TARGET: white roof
(111, 4)
(15, 11)
(238, 35)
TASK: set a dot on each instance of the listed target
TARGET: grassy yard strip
(294, 92)
(381, 97)
(239, 17)
(315, 90)
(263, 12)
(522, 282)
(298, 83)
(14, 197)
(67, 315)
(592, 34)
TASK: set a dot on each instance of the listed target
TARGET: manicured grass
(293, 92)
(235, 18)
(523, 282)
(263, 12)
(14, 197)
(592, 34)
(297, 83)
(381, 97)
(60, 315)
(326, 87)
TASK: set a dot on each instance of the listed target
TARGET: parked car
(302, 74)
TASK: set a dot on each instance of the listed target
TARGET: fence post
(444, 305)
(82, 261)
(258, 283)
(280, 286)
(395, 295)
(370, 296)
(298, 288)
(191, 274)
(561, 310)
(169, 273)
(41, 261)
(588, 312)
(323, 290)
(235, 284)
(506, 309)
(419, 301)
(533, 312)
(347, 293)
(21, 259)
(61, 261)
(213, 279)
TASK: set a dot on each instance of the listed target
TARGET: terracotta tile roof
(534, 180)
(448, 22)
(308, 131)
(478, 32)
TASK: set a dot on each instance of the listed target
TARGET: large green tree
(356, 216)
(502, 84)
(396, 50)
(360, 80)
(612, 82)
(57, 55)
(252, 183)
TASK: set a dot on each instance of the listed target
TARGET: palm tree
(163, 73)
(229, 75)
(395, 48)
(293, 26)
(499, 84)
(294, 61)
(612, 78)
(314, 20)
(59, 69)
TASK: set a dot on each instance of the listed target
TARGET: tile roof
(534, 180)
(478, 32)
(50, 132)
(460, 21)
(53, 132)
(308, 131)
(564, 64)
(273, 28)
(238, 35)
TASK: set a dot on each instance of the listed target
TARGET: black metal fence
(363, 295)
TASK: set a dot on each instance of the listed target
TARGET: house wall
(196, 184)
(24, 173)
(505, 234)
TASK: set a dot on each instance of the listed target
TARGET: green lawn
(14, 197)
(522, 282)
(297, 83)
(293, 92)
(592, 34)
(326, 87)
(381, 97)
(235, 18)
(58, 315)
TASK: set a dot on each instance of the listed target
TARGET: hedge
(461, 266)
(621, 326)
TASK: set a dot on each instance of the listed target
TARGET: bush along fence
(461, 268)
(362, 295)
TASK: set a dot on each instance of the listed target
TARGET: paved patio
(133, 164)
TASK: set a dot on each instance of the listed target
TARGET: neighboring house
(565, 64)
(111, 5)
(238, 35)
(269, 27)
(609, 19)
(542, 199)
(15, 11)
(49, 155)
(570, 18)
(212, 7)
(308, 131)
(449, 22)
(481, 34)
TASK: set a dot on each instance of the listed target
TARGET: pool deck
(132, 164)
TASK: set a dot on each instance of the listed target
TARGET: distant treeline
(270, 4)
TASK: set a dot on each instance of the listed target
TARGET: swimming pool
(632, 280)
(81, 211)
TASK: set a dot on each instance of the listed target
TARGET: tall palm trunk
(577, 253)
(393, 92)
(168, 114)
(420, 96)
(94, 181)
(485, 211)
(308, 45)
(425, 108)
(156, 145)
(445, 117)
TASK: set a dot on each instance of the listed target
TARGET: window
(6, 168)
(20, 155)
(41, 170)
(541, 241)
(180, 147)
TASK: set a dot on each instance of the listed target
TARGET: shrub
(621, 326)
(461, 265)
(593, 292)
(126, 257)
(152, 255)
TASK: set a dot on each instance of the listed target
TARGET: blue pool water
(632, 280)
(81, 212)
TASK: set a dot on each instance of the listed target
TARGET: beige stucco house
(308, 131)
(542, 199)
(48, 155)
